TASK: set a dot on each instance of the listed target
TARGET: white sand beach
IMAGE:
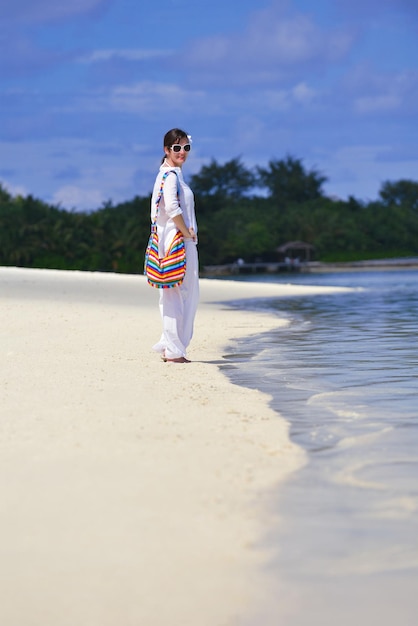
(133, 492)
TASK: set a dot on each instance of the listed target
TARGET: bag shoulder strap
(160, 192)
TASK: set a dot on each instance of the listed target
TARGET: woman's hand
(188, 233)
(192, 234)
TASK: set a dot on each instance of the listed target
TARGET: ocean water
(344, 373)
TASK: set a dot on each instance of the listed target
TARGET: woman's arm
(171, 201)
(173, 208)
(181, 226)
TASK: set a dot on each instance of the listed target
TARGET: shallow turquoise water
(344, 373)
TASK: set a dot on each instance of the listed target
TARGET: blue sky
(89, 88)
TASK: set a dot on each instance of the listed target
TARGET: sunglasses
(177, 147)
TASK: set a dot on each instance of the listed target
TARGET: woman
(176, 212)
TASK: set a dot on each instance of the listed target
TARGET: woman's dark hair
(173, 136)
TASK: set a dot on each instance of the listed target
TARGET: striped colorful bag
(169, 270)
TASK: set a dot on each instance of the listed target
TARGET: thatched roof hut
(296, 249)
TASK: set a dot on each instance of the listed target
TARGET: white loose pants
(178, 307)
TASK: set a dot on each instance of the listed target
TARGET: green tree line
(242, 213)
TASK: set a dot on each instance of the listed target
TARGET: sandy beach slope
(133, 492)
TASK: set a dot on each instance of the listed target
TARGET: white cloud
(303, 94)
(273, 44)
(100, 171)
(373, 8)
(148, 96)
(21, 49)
(273, 99)
(294, 39)
(362, 166)
(72, 196)
(277, 99)
(30, 11)
(374, 91)
(373, 104)
(19, 54)
(14, 190)
(126, 54)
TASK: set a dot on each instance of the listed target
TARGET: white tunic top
(170, 206)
